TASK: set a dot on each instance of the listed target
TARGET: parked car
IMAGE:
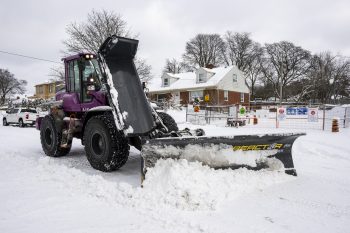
(20, 116)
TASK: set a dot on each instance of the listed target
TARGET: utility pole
(281, 89)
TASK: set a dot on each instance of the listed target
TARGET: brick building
(222, 86)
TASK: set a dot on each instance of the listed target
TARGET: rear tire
(20, 123)
(168, 121)
(51, 138)
(4, 122)
(106, 147)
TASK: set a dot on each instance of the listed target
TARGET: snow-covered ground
(42, 194)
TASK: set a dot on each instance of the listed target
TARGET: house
(46, 90)
(216, 86)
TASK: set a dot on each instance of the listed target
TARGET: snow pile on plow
(192, 186)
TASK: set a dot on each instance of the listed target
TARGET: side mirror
(7, 111)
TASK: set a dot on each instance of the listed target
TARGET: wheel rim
(4, 122)
(48, 136)
(20, 123)
(98, 144)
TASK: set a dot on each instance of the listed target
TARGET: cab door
(72, 100)
(90, 84)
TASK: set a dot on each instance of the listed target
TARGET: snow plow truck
(105, 106)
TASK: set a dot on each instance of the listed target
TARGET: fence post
(210, 116)
(345, 118)
(276, 118)
(324, 117)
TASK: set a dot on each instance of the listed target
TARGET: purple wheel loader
(105, 106)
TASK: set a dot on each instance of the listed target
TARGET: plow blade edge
(270, 151)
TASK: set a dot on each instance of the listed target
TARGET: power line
(30, 57)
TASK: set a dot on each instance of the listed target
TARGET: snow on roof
(48, 82)
(188, 80)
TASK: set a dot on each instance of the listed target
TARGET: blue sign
(297, 111)
(291, 111)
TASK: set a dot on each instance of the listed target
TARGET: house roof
(48, 82)
(188, 80)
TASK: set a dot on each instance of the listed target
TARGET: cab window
(73, 77)
(90, 78)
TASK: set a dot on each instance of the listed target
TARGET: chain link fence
(286, 116)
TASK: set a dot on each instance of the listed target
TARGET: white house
(222, 85)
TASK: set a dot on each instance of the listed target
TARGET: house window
(226, 95)
(196, 94)
(201, 78)
(234, 78)
(50, 88)
(242, 97)
(166, 82)
(161, 97)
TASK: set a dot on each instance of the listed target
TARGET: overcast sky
(37, 28)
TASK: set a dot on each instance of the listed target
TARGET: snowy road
(41, 194)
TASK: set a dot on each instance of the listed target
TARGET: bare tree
(57, 73)
(246, 54)
(204, 50)
(341, 80)
(9, 85)
(175, 67)
(88, 36)
(284, 63)
(143, 70)
(299, 90)
(239, 49)
(330, 77)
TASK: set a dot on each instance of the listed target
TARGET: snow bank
(191, 186)
(175, 184)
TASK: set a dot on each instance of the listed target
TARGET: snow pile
(191, 186)
(175, 184)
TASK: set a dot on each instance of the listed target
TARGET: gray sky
(37, 28)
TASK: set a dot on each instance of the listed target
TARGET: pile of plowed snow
(177, 184)
(191, 186)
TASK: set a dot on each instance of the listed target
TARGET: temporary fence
(286, 116)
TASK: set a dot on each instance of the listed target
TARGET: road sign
(312, 115)
(242, 110)
(281, 114)
(206, 98)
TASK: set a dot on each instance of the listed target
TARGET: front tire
(106, 147)
(4, 122)
(51, 138)
(168, 121)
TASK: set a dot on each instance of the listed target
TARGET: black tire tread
(168, 121)
(19, 124)
(119, 144)
(57, 151)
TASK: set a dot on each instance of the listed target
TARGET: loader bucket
(130, 102)
(271, 151)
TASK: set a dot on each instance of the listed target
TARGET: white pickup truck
(20, 116)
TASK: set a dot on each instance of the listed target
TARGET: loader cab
(83, 75)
